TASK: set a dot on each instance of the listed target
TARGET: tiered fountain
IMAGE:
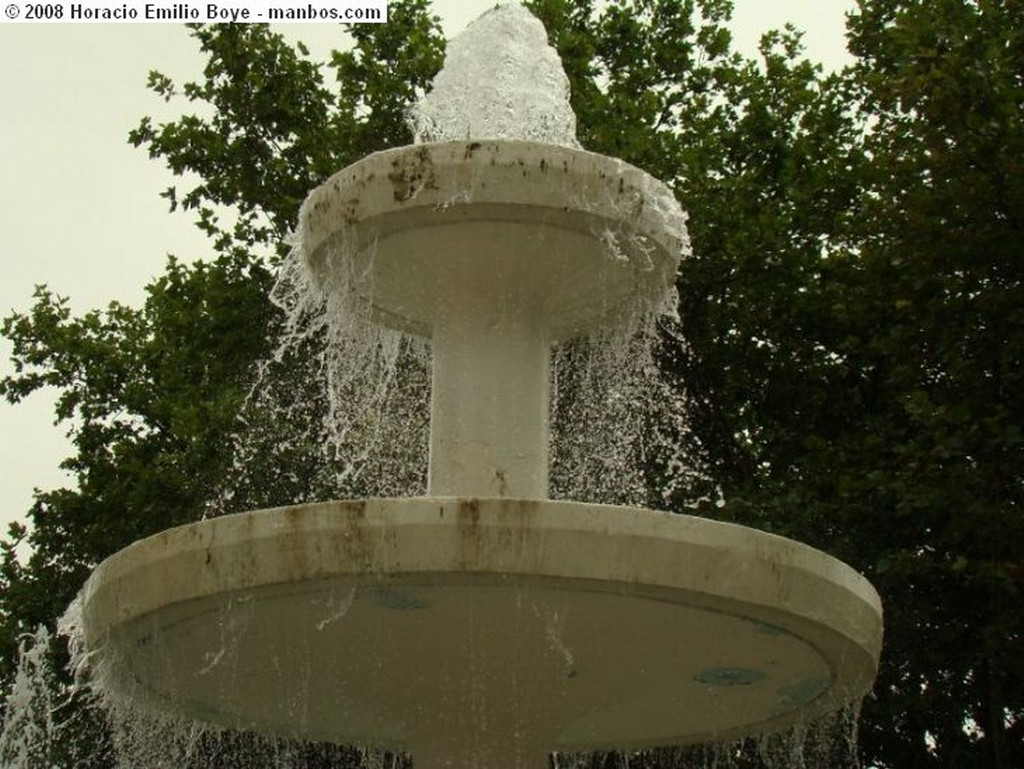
(484, 624)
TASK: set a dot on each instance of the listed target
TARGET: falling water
(342, 408)
(829, 742)
(28, 724)
(339, 410)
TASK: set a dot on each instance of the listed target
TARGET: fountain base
(477, 630)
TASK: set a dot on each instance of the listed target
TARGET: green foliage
(149, 397)
(268, 128)
(762, 152)
(939, 312)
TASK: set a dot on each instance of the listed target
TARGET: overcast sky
(80, 207)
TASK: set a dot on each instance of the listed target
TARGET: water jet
(484, 623)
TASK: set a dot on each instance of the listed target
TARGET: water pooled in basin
(120, 735)
(501, 80)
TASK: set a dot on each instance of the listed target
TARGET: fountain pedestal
(489, 421)
(494, 250)
(485, 624)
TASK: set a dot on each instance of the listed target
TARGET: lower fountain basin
(486, 627)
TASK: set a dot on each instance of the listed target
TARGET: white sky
(80, 207)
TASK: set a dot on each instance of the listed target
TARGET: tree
(277, 129)
(940, 242)
(152, 394)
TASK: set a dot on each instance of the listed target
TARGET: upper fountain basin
(574, 239)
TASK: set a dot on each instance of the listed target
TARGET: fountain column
(489, 403)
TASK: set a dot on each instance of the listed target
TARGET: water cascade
(484, 624)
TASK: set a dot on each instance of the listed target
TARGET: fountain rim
(408, 172)
(467, 514)
(543, 199)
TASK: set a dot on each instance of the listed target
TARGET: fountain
(483, 623)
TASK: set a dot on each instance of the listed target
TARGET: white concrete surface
(494, 250)
(482, 632)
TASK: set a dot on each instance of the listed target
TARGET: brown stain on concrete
(494, 534)
(410, 174)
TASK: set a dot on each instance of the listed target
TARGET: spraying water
(501, 80)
